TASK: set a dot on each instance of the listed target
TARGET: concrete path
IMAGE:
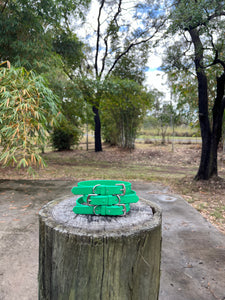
(193, 251)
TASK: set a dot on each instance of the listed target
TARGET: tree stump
(99, 257)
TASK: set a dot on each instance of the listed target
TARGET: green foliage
(123, 108)
(150, 122)
(28, 108)
(132, 65)
(166, 116)
(37, 35)
(76, 110)
(190, 14)
(27, 29)
(69, 47)
(65, 136)
(184, 89)
(89, 89)
(23, 40)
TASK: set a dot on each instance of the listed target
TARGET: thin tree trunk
(98, 142)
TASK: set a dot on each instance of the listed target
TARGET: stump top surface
(59, 214)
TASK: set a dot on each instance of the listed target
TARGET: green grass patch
(179, 131)
(218, 213)
(201, 206)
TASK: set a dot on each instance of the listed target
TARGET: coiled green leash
(104, 197)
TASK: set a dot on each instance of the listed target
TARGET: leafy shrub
(65, 136)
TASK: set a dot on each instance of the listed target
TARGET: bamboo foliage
(27, 110)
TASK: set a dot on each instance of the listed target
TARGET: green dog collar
(93, 199)
(104, 197)
(102, 187)
(111, 210)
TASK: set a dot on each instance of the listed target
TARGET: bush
(65, 136)
(122, 111)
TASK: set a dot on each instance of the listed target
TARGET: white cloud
(155, 78)
(154, 62)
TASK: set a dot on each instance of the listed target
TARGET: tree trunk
(97, 257)
(98, 141)
(204, 170)
(210, 137)
(218, 110)
(206, 134)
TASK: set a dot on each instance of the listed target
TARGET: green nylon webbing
(104, 197)
(94, 199)
(103, 210)
(101, 187)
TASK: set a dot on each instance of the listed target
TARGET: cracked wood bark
(95, 257)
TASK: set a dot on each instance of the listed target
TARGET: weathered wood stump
(95, 257)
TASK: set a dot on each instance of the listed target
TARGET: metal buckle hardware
(118, 196)
(123, 189)
(94, 210)
(89, 200)
(124, 209)
(93, 190)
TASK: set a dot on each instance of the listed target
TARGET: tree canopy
(26, 29)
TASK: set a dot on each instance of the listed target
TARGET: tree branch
(71, 77)
(4, 6)
(215, 15)
(107, 36)
(219, 61)
(131, 46)
(98, 38)
(118, 12)
(105, 55)
(210, 17)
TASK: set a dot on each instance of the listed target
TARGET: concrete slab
(193, 251)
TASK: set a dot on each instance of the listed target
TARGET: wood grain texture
(95, 257)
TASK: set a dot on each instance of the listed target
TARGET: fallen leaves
(25, 206)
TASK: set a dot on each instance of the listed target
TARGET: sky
(156, 78)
